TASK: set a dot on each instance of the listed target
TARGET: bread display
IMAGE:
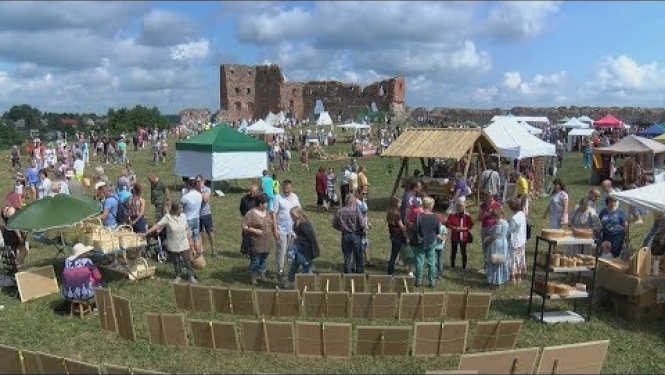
(582, 233)
(581, 287)
(562, 290)
(552, 233)
(550, 288)
(567, 233)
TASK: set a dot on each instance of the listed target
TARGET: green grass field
(636, 346)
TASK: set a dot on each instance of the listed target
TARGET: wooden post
(230, 301)
(162, 329)
(513, 367)
(212, 334)
(265, 334)
(406, 286)
(399, 175)
(479, 172)
(438, 350)
(323, 340)
(466, 303)
(421, 305)
(353, 286)
(468, 163)
(423, 165)
(383, 343)
(497, 329)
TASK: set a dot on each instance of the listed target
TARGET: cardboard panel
(373, 305)
(173, 328)
(404, 284)
(31, 364)
(385, 281)
(585, 358)
(517, 361)
(305, 281)
(333, 281)
(436, 339)
(201, 299)
(10, 359)
(355, 283)
(36, 283)
(221, 299)
(421, 306)
(214, 335)
(242, 302)
(183, 296)
(498, 335)
(117, 370)
(384, 341)
(81, 368)
(254, 336)
(123, 316)
(155, 332)
(138, 371)
(51, 364)
(323, 340)
(326, 305)
(281, 338)
(450, 372)
(104, 304)
(278, 303)
(468, 306)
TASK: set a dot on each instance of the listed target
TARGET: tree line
(21, 121)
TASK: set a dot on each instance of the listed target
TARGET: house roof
(444, 143)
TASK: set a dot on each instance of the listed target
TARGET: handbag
(198, 261)
(407, 253)
(528, 231)
(415, 238)
(470, 237)
(497, 258)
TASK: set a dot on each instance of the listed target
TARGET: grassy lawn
(636, 346)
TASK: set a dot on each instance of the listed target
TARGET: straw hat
(85, 182)
(80, 249)
(99, 184)
(70, 174)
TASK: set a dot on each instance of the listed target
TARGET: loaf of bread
(552, 233)
(582, 233)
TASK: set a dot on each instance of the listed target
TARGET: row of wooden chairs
(333, 340)
(324, 304)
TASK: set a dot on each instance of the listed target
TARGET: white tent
(574, 123)
(586, 119)
(324, 119)
(575, 133)
(649, 197)
(262, 127)
(542, 119)
(354, 126)
(243, 126)
(275, 119)
(515, 142)
(221, 153)
(531, 129)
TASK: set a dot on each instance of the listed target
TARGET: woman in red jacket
(321, 184)
(460, 224)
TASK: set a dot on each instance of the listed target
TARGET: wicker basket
(141, 270)
(127, 239)
(105, 241)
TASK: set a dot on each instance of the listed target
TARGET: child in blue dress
(498, 272)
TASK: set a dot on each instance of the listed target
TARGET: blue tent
(652, 131)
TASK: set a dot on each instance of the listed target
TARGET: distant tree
(128, 120)
(31, 115)
(9, 136)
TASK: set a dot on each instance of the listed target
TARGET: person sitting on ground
(80, 275)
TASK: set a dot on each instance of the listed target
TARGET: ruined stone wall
(271, 94)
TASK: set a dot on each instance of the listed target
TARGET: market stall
(576, 136)
(648, 153)
(635, 289)
(430, 144)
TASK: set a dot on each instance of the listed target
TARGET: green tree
(128, 120)
(31, 115)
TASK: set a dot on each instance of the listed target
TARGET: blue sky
(87, 56)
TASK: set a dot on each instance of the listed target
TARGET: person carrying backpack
(114, 212)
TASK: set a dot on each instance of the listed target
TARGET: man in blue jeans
(191, 207)
(350, 221)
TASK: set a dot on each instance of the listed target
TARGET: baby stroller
(156, 246)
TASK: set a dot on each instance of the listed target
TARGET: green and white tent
(221, 153)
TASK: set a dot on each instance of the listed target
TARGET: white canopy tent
(574, 123)
(648, 197)
(515, 142)
(531, 129)
(576, 133)
(243, 126)
(262, 127)
(324, 119)
(542, 119)
(355, 126)
(275, 119)
(586, 119)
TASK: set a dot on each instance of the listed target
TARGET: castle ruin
(250, 92)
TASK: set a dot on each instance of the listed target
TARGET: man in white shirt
(191, 206)
(281, 217)
(79, 166)
(490, 181)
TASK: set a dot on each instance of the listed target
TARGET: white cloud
(624, 73)
(539, 85)
(165, 28)
(486, 94)
(191, 51)
(512, 80)
(519, 19)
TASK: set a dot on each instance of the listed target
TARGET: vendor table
(549, 270)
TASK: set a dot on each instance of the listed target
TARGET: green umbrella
(57, 212)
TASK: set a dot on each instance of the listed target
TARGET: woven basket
(106, 241)
(198, 261)
(141, 270)
(126, 237)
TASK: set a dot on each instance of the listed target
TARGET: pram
(156, 247)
